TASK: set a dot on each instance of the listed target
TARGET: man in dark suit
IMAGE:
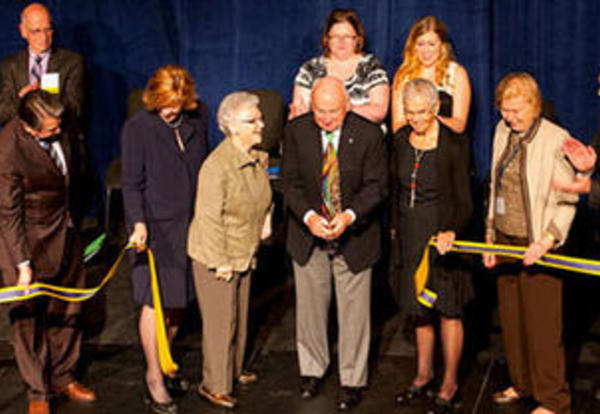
(334, 180)
(38, 242)
(23, 71)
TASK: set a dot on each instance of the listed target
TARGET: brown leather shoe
(218, 399)
(39, 407)
(77, 392)
(247, 377)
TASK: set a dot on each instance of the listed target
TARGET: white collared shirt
(59, 151)
(44, 63)
(335, 139)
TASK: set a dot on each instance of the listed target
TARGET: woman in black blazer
(431, 197)
(163, 147)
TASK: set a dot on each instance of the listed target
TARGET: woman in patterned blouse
(363, 74)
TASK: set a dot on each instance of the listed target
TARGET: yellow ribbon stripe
(572, 264)
(19, 293)
(167, 365)
(425, 297)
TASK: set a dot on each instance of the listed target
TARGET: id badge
(50, 82)
(500, 206)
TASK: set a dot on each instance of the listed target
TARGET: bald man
(24, 71)
(334, 179)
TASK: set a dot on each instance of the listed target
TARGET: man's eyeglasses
(36, 32)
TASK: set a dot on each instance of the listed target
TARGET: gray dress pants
(313, 297)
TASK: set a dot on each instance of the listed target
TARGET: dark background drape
(235, 44)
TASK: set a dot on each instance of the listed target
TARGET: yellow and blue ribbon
(20, 293)
(167, 365)
(427, 297)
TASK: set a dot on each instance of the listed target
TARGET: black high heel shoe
(156, 407)
(442, 406)
(176, 385)
(414, 392)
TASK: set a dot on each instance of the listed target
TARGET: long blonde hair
(411, 65)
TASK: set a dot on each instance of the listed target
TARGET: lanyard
(515, 150)
(504, 165)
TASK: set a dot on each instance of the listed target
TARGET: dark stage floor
(116, 371)
(113, 363)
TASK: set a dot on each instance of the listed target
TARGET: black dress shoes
(176, 385)
(414, 392)
(442, 406)
(156, 407)
(309, 386)
(348, 398)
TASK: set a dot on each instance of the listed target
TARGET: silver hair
(230, 105)
(422, 87)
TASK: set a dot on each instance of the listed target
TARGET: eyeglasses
(37, 32)
(251, 121)
(342, 38)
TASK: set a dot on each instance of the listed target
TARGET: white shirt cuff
(24, 263)
(585, 174)
(352, 214)
(307, 215)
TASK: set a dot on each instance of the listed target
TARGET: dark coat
(452, 160)
(159, 189)
(15, 75)
(35, 203)
(363, 181)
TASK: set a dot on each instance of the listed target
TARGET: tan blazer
(546, 209)
(232, 202)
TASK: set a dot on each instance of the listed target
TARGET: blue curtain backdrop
(235, 44)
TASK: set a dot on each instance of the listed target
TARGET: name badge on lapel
(500, 206)
(50, 82)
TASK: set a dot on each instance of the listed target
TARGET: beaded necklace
(427, 143)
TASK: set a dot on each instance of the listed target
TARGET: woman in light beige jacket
(525, 210)
(231, 217)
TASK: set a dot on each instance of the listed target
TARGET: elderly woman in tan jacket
(525, 210)
(231, 217)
